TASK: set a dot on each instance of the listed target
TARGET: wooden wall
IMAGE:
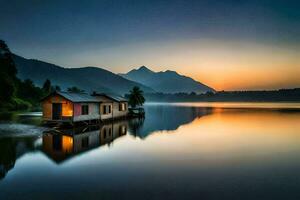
(67, 107)
(117, 113)
(92, 139)
(93, 112)
(105, 116)
(120, 128)
(66, 143)
(73, 110)
(106, 134)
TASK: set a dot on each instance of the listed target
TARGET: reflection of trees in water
(135, 125)
(160, 118)
(7, 116)
(7, 156)
(11, 148)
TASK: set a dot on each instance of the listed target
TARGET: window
(122, 106)
(57, 143)
(122, 130)
(84, 110)
(106, 109)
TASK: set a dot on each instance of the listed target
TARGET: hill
(86, 78)
(167, 81)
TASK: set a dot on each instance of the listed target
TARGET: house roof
(75, 97)
(113, 97)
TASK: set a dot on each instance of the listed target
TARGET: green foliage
(19, 104)
(16, 104)
(29, 92)
(136, 97)
(75, 89)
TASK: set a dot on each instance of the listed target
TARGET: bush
(19, 104)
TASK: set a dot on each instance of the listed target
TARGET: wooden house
(66, 107)
(112, 106)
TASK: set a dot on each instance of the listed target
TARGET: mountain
(166, 82)
(86, 78)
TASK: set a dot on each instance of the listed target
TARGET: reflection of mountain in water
(160, 118)
(62, 145)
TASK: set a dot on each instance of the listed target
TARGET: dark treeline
(283, 95)
(16, 94)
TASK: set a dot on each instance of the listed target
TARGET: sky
(228, 45)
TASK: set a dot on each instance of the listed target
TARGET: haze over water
(180, 151)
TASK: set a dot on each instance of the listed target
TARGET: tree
(47, 86)
(29, 92)
(136, 97)
(56, 88)
(75, 89)
(7, 62)
(8, 74)
(7, 88)
(14, 93)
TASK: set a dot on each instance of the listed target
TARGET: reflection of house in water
(62, 145)
(65, 144)
(165, 118)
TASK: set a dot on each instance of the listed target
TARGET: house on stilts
(68, 107)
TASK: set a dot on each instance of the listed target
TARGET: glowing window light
(67, 109)
(67, 144)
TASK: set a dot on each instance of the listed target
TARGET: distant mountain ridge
(86, 78)
(98, 79)
(167, 81)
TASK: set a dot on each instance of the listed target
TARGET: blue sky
(121, 35)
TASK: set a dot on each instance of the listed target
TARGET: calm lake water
(179, 151)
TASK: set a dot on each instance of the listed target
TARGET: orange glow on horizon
(218, 63)
(252, 80)
(214, 136)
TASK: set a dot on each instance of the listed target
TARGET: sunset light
(150, 99)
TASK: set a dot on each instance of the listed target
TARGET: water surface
(179, 151)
